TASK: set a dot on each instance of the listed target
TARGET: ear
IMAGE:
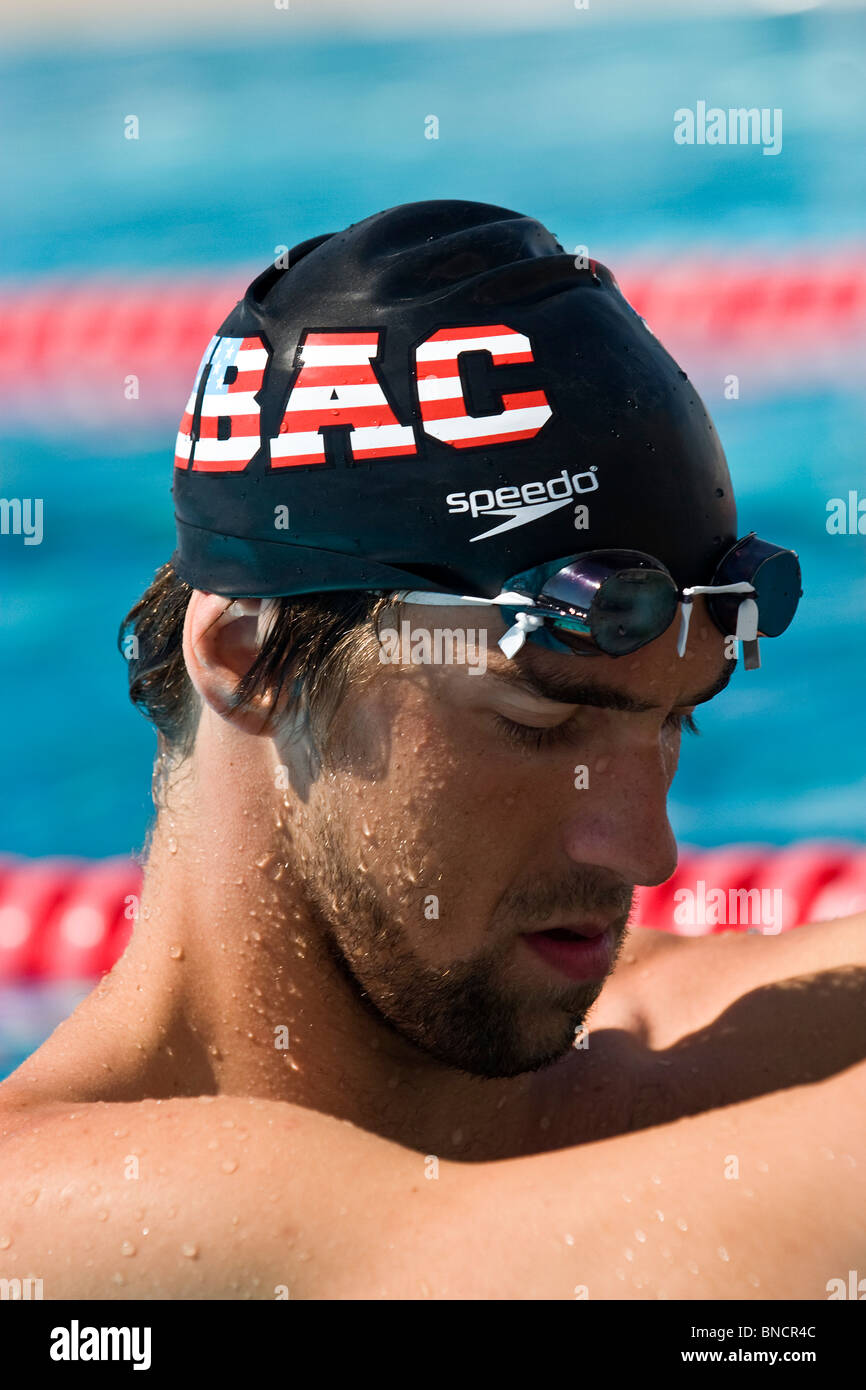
(221, 640)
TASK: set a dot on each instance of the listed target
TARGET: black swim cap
(439, 397)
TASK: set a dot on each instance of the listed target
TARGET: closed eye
(531, 736)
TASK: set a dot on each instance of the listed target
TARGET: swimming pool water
(247, 146)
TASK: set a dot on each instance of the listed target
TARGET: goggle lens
(621, 609)
(775, 576)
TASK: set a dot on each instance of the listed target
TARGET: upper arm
(672, 985)
(205, 1198)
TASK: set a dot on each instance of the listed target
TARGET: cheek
(422, 827)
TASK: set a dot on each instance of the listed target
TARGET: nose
(619, 819)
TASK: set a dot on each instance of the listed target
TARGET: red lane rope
(69, 918)
(740, 313)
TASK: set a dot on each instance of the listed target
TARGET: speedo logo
(520, 505)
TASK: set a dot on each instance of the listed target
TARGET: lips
(586, 931)
(585, 954)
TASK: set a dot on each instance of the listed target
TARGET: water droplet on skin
(127, 1248)
(229, 1165)
(30, 1197)
(172, 845)
(683, 1225)
(754, 1281)
(620, 1274)
(189, 1252)
(102, 1214)
(176, 952)
(629, 1253)
(118, 1278)
(569, 1240)
(660, 1214)
(640, 1235)
(691, 1267)
(5, 1242)
(625, 1197)
(656, 1179)
(722, 1253)
(826, 1153)
(762, 1166)
(213, 1143)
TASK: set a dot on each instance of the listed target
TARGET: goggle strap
(516, 635)
(747, 620)
(751, 655)
(747, 633)
(685, 619)
(434, 600)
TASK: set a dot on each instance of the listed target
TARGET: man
(381, 1030)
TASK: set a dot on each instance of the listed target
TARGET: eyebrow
(565, 690)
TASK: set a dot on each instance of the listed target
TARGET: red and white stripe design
(233, 403)
(440, 394)
(337, 385)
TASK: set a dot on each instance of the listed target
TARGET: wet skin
(291, 890)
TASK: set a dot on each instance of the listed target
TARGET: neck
(236, 993)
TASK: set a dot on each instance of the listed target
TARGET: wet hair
(313, 646)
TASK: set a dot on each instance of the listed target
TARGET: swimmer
(382, 1030)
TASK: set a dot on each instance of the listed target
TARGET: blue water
(29, 1013)
(246, 147)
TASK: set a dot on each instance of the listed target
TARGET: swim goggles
(620, 600)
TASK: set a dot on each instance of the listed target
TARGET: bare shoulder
(246, 1199)
(672, 984)
(835, 941)
(764, 1199)
(188, 1198)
